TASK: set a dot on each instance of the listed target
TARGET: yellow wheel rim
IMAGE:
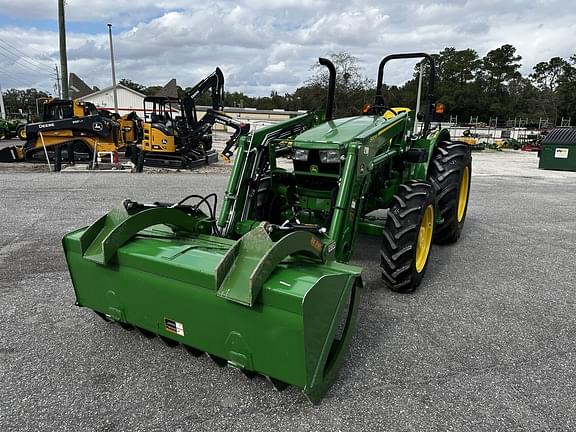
(463, 194)
(424, 238)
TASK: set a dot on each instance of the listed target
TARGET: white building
(128, 100)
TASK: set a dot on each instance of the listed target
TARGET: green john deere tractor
(11, 128)
(266, 287)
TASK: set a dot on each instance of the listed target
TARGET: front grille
(314, 159)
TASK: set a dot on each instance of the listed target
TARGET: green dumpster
(558, 150)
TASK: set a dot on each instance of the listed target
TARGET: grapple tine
(193, 351)
(249, 374)
(146, 333)
(218, 360)
(126, 326)
(103, 316)
(169, 342)
(278, 385)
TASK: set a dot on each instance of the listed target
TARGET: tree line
(470, 86)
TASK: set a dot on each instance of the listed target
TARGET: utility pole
(113, 69)
(2, 110)
(63, 58)
(58, 82)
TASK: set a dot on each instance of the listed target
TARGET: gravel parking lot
(487, 343)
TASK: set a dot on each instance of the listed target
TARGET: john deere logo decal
(97, 126)
(314, 169)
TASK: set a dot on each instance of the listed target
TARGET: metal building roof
(561, 135)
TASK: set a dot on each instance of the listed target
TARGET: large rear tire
(450, 173)
(407, 238)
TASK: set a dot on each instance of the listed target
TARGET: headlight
(329, 156)
(300, 155)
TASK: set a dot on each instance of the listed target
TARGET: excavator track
(82, 153)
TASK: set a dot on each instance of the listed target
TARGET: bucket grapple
(272, 307)
(266, 287)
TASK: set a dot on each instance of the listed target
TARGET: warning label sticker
(174, 327)
(561, 153)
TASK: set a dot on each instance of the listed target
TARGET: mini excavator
(173, 134)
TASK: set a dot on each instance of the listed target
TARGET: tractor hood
(338, 132)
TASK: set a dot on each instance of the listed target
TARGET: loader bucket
(12, 154)
(283, 309)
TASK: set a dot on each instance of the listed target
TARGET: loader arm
(212, 116)
(197, 128)
(254, 156)
(213, 83)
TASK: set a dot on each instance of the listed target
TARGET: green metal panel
(338, 131)
(558, 150)
(557, 157)
(162, 275)
(248, 264)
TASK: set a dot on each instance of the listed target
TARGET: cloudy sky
(265, 44)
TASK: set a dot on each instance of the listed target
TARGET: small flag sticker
(174, 327)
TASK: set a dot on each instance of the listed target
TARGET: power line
(24, 70)
(14, 77)
(10, 63)
(39, 69)
(18, 80)
(26, 56)
(17, 58)
(10, 82)
(18, 68)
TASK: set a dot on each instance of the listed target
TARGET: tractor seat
(156, 118)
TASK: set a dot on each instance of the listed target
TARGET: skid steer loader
(266, 287)
(72, 130)
(174, 135)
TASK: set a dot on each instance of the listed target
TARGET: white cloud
(349, 27)
(271, 44)
(276, 67)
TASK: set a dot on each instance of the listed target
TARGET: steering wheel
(383, 109)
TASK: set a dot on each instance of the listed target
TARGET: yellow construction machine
(468, 138)
(73, 130)
(174, 135)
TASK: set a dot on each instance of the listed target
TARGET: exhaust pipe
(331, 86)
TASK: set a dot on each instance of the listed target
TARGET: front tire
(450, 173)
(21, 132)
(407, 238)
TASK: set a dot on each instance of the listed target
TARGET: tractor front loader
(266, 287)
